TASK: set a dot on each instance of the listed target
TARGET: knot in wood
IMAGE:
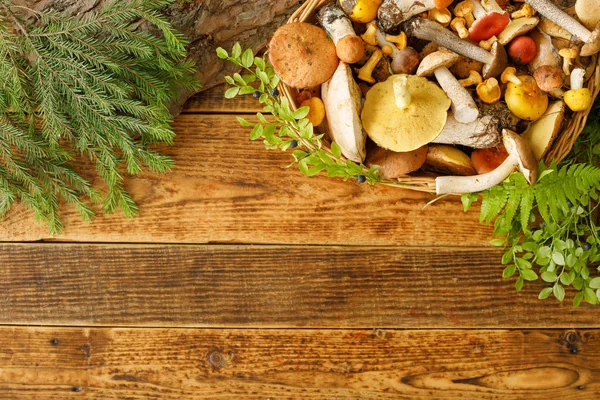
(572, 340)
(218, 359)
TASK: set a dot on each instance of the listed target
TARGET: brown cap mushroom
(464, 108)
(494, 61)
(549, 78)
(405, 112)
(406, 61)
(520, 155)
(448, 160)
(393, 165)
(588, 12)
(542, 132)
(349, 47)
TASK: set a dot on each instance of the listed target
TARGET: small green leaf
(559, 292)
(522, 264)
(249, 78)
(301, 112)
(545, 293)
(232, 92)
(545, 173)
(507, 256)
(595, 283)
(246, 90)
(243, 122)
(543, 252)
(275, 81)
(549, 276)
(336, 150)
(558, 258)
(229, 80)
(529, 275)
(559, 244)
(222, 53)
(247, 58)
(509, 271)
(497, 242)
(236, 51)
(590, 296)
(519, 283)
(256, 132)
(577, 299)
(259, 62)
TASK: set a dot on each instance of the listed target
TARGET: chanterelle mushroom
(549, 10)
(520, 156)
(405, 112)
(464, 108)
(494, 61)
(342, 98)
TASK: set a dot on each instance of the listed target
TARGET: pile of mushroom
(445, 86)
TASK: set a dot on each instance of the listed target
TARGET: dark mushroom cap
(549, 77)
(519, 147)
(593, 45)
(441, 58)
(496, 67)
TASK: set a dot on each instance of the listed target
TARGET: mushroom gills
(342, 98)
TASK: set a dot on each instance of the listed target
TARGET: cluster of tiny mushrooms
(416, 105)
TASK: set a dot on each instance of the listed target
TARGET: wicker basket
(426, 183)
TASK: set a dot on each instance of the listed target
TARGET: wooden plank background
(243, 280)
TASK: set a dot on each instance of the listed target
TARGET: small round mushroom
(549, 10)
(473, 79)
(464, 108)
(393, 165)
(527, 101)
(487, 44)
(349, 47)
(488, 159)
(520, 156)
(489, 22)
(549, 78)
(406, 61)
(361, 11)
(578, 98)
(494, 61)
(442, 16)
(489, 91)
(464, 9)
(522, 50)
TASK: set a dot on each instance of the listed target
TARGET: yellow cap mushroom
(578, 98)
(405, 112)
(527, 101)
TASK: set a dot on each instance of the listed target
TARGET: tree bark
(208, 24)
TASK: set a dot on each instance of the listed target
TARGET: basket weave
(426, 183)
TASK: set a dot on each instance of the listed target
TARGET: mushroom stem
(478, 10)
(556, 15)
(479, 134)
(577, 78)
(432, 31)
(492, 6)
(476, 183)
(366, 72)
(464, 108)
(403, 97)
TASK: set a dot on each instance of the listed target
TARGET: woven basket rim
(561, 146)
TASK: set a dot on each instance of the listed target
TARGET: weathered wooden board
(72, 363)
(227, 189)
(213, 101)
(270, 286)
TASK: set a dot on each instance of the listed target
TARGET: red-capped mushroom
(522, 50)
(489, 21)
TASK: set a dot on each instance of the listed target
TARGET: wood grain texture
(71, 363)
(214, 101)
(270, 286)
(227, 189)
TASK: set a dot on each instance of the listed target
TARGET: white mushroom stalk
(464, 107)
(336, 23)
(520, 156)
(577, 78)
(403, 97)
(549, 10)
(342, 99)
(479, 134)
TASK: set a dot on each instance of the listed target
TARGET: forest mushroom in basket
(522, 50)
(342, 98)
(393, 165)
(550, 79)
(578, 98)
(448, 160)
(405, 112)
(393, 12)
(489, 91)
(481, 133)
(348, 46)
(494, 61)
(588, 12)
(527, 101)
(542, 132)
(549, 10)
(464, 9)
(361, 11)
(520, 156)
(546, 53)
(489, 21)
(516, 28)
(464, 108)
(474, 78)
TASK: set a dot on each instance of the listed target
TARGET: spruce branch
(94, 86)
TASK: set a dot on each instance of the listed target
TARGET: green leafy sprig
(563, 243)
(289, 128)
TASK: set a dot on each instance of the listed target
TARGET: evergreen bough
(93, 87)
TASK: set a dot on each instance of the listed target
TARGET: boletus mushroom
(349, 47)
(393, 12)
(393, 165)
(405, 112)
(494, 61)
(342, 98)
(448, 160)
(520, 155)
(464, 108)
